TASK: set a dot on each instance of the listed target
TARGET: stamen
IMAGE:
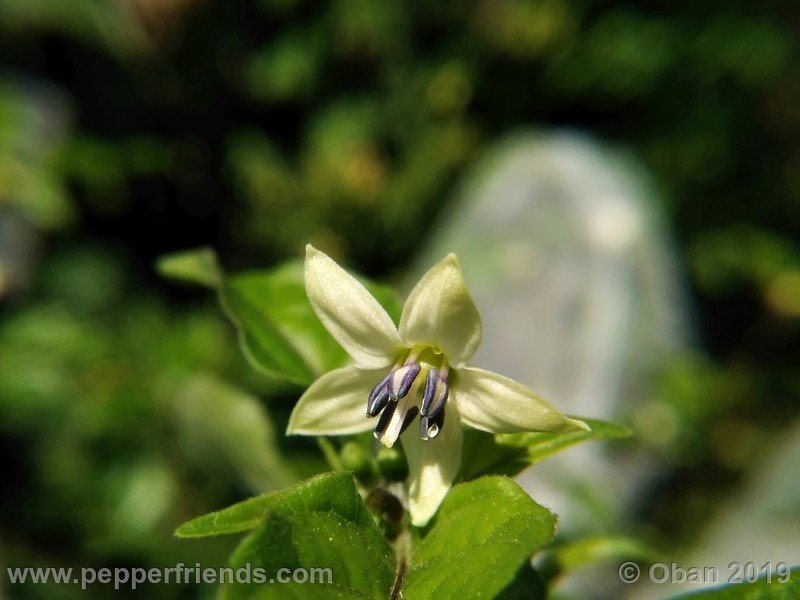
(430, 390)
(436, 393)
(400, 418)
(396, 399)
(402, 379)
(379, 397)
(412, 356)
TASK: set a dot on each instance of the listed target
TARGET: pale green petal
(432, 466)
(349, 312)
(440, 312)
(336, 403)
(497, 404)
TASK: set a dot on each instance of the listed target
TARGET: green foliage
(509, 454)
(483, 534)
(267, 342)
(566, 557)
(480, 542)
(322, 523)
(213, 414)
(117, 403)
(278, 331)
(247, 515)
(198, 266)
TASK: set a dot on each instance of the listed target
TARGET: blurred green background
(133, 128)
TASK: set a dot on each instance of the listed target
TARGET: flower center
(398, 401)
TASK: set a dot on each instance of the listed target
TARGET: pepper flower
(416, 369)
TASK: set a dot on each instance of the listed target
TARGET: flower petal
(491, 402)
(349, 312)
(432, 466)
(336, 403)
(440, 312)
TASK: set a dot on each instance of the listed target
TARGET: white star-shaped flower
(418, 368)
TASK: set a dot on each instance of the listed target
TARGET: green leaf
(483, 573)
(509, 454)
(197, 266)
(763, 589)
(323, 526)
(264, 345)
(279, 333)
(484, 534)
(243, 516)
(217, 419)
(247, 515)
(274, 303)
(570, 556)
(526, 585)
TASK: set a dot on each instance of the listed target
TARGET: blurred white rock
(566, 255)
